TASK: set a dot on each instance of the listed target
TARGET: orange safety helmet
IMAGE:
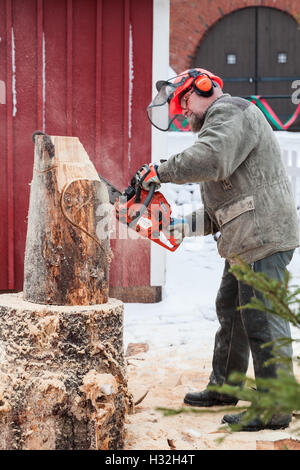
(199, 79)
(170, 92)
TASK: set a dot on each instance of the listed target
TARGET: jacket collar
(217, 99)
(210, 106)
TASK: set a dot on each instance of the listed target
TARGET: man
(246, 197)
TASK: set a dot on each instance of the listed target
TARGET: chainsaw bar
(113, 192)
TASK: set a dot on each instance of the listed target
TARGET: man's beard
(196, 122)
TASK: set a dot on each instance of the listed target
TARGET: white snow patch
(2, 352)
(13, 64)
(2, 92)
(107, 389)
(192, 432)
(130, 91)
(44, 82)
(172, 72)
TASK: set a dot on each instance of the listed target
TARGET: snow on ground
(186, 316)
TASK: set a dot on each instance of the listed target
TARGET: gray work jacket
(245, 190)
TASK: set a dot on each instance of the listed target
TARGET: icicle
(44, 84)
(131, 77)
(13, 64)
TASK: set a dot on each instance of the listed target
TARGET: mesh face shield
(158, 109)
(166, 106)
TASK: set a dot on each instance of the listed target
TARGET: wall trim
(159, 142)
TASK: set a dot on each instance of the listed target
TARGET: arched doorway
(255, 50)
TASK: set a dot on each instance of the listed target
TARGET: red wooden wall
(66, 67)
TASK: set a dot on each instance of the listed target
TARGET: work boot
(280, 421)
(209, 398)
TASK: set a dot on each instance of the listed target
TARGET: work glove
(178, 229)
(151, 176)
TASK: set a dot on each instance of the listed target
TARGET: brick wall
(190, 20)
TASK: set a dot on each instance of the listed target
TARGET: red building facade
(81, 68)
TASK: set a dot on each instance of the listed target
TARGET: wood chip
(171, 444)
(136, 348)
(142, 398)
(282, 444)
(220, 431)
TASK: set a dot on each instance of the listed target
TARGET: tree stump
(67, 248)
(62, 376)
(62, 373)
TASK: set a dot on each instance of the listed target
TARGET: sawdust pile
(169, 374)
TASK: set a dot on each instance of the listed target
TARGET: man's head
(195, 95)
(194, 106)
(189, 94)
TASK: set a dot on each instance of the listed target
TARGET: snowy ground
(180, 333)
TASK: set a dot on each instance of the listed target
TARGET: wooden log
(63, 379)
(62, 376)
(67, 248)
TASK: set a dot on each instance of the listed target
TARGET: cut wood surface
(282, 444)
(67, 248)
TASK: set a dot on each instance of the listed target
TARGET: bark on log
(62, 376)
(67, 248)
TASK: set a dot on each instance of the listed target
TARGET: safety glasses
(184, 101)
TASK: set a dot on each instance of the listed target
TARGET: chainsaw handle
(136, 182)
(150, 194)
(146, 203)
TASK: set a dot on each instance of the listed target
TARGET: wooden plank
(141, 91)
(40, 82)
(141, 86)
(58, 87)
(69, 67)
(9, 129)
(112, 119)
(99, 16)
(3, 153)
(84, 73)
(24, 16)
(126, 139)
(112, 92)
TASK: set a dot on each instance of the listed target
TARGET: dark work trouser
(245, 330)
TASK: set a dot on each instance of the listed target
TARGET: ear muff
(203, 85)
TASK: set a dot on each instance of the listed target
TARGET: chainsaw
(146, 212)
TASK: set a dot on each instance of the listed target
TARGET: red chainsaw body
(154, 219)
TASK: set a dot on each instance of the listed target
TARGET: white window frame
(159, 139)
